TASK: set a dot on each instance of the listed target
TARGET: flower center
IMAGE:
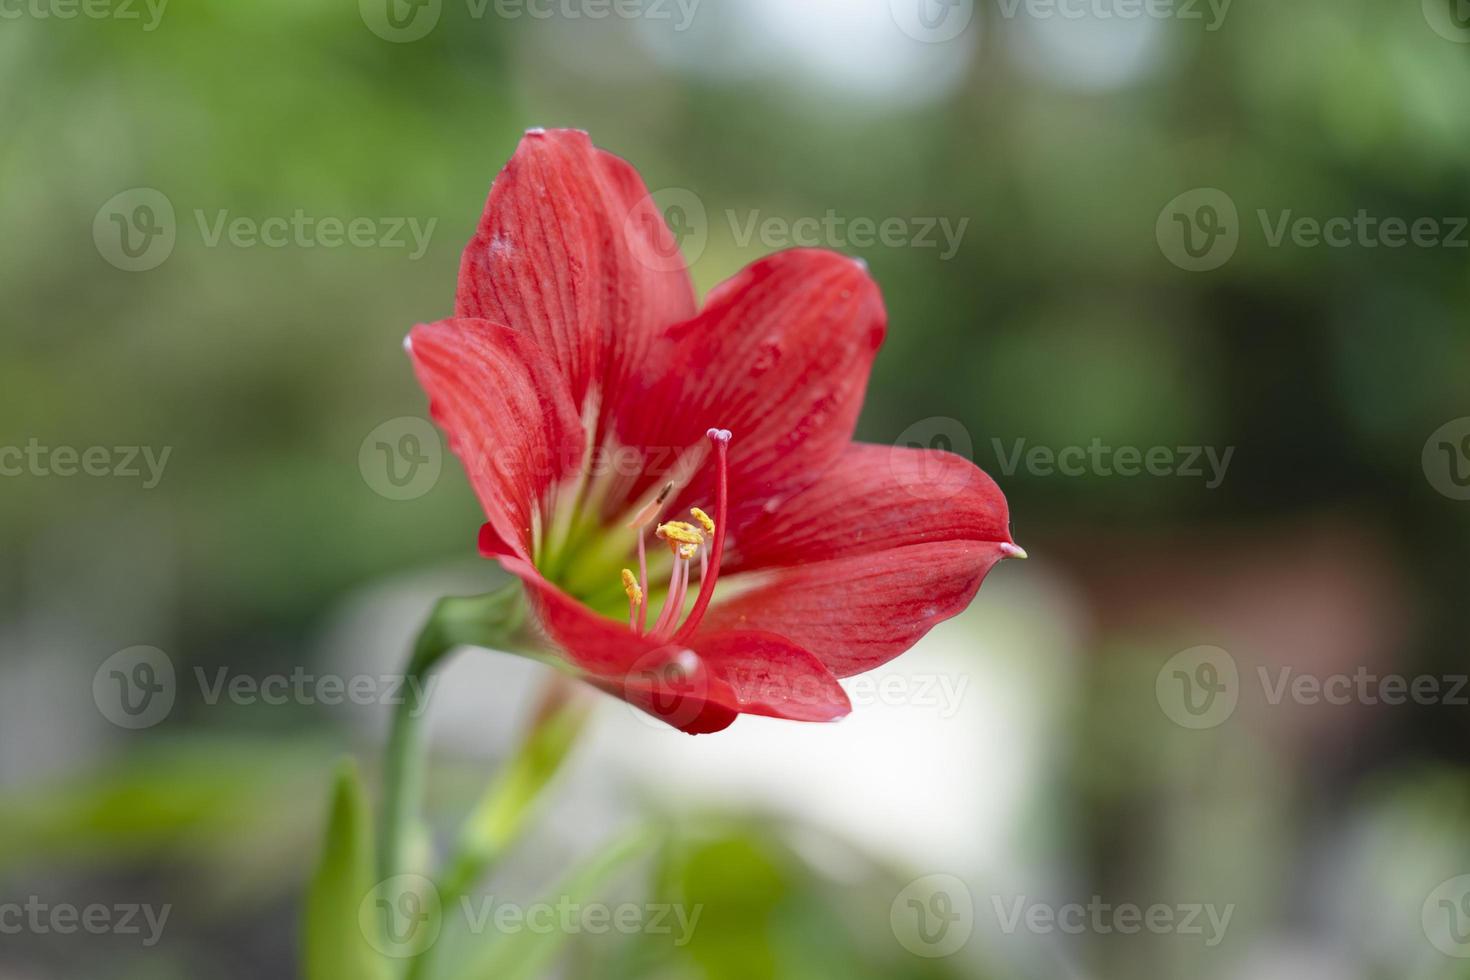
(704, 539)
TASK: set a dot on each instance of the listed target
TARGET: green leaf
(336, 948)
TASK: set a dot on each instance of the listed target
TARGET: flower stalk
(496, 621)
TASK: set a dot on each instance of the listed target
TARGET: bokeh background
(1120, 177)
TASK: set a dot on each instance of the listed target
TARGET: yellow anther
(705, 521)
(687, 550)
(630, 586)
(679, 533)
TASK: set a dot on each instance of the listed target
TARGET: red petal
(563, 252)
(889, 543)
(770, 675)
(780, 356)
(508, 417)
(699, 689)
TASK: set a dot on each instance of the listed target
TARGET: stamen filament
(672, 602)
(642, 625)
(646, 516)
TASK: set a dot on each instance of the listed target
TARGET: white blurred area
(842, 51)
(846, 54)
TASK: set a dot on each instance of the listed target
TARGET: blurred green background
(1070, 310)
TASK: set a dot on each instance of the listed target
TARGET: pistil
(721, 440)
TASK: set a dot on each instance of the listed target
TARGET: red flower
(590, 399)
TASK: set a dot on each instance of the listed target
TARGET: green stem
(492, 620)
(500, 814)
